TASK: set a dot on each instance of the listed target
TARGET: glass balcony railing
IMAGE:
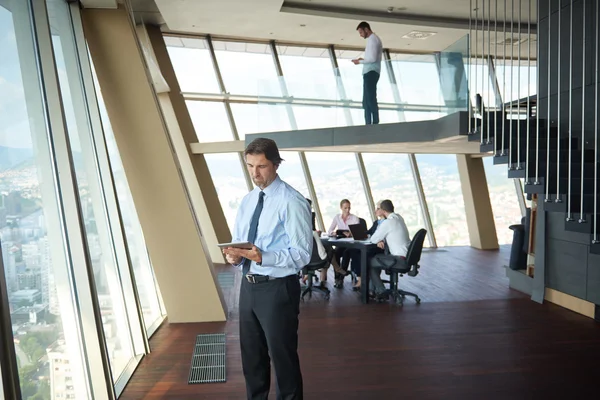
(410, 88)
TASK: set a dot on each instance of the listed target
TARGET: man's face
(363, 33)
(378, 211)
(262, 171)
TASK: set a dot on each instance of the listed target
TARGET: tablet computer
(239, 245)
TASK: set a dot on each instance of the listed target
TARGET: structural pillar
(195, 170)
(478, 208)
(173, 236)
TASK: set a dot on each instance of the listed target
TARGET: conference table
(364, 246)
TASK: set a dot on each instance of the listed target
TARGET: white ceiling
(334, 23)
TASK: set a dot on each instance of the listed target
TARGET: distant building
(30, 314)
(30, 296)
(61, 376)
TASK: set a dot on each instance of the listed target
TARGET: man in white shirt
(371, 71)
(393, 232)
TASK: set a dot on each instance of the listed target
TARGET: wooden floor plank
(471, 338)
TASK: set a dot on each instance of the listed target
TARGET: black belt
(255, 278)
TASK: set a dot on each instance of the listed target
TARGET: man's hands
(381, 245)
(357, 61)
(234, 255)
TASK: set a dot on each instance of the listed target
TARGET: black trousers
(269, 326)
(370, 105)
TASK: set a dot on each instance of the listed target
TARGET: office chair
(398, 266)
(311, 269)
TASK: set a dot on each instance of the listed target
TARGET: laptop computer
(358, 231)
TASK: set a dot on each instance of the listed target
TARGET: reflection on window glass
(390, 177)
(335, 177)
(418, 79)
(210, 121)
(32, 244)
(228, 177)
(443, 192)
(290, 171)
(256, 118)
(138, 253)
(247, 68)
(94, 213)
(192, 64)
(308, 72)
(352, 78)
(503, 197)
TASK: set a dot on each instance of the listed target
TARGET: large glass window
(308, 72)
(503, 196)
(514, 80)
(390, 177)
(138, 253)
(314, 117)
(256, 118)
(482, 83)
(210, 121)
(441, 184)
(335, 177)
(193, 65)
(228, 176)
(291, 172)
(91, 193)
(32, 241)
(247, 68)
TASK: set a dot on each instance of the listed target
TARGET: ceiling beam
(294, 7)
(99, 3)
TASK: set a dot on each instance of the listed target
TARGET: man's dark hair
(363, 25)
(387, 206)
(268, 147)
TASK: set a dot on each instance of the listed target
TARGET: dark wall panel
(566, 267)
(555, 230)
(593, 278)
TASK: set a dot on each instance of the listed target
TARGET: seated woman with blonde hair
(340, 223)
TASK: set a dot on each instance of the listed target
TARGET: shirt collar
(272, 188)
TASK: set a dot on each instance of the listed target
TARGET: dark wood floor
(470, 338)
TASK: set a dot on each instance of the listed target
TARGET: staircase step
(552, 205)
(595, 248)
(576, 225)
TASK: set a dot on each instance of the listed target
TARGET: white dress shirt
(394, 232)
(284, 234)
(320, 247)
(339, 223)
(373, 52)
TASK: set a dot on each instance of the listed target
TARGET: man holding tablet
(276, 220)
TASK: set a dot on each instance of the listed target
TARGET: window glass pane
(142, 268)
(210, 121)
(504, 74)
(335, 177)
(228, 177)
(503, 196)
(352, 77)
(32, 242)
(443, 192)
(390, 177)
(418, 79)
(314, 117)
(98, 235)
(308, 72)
(256, 118)
(192, 64)
(247, 68)
(482, 83)
(290, 171)
(385, 116)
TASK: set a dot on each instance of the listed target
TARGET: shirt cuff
(268, 259)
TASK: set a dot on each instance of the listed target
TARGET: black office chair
(398, 266)
(311, 269)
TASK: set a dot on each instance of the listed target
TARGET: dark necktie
(254, 228)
